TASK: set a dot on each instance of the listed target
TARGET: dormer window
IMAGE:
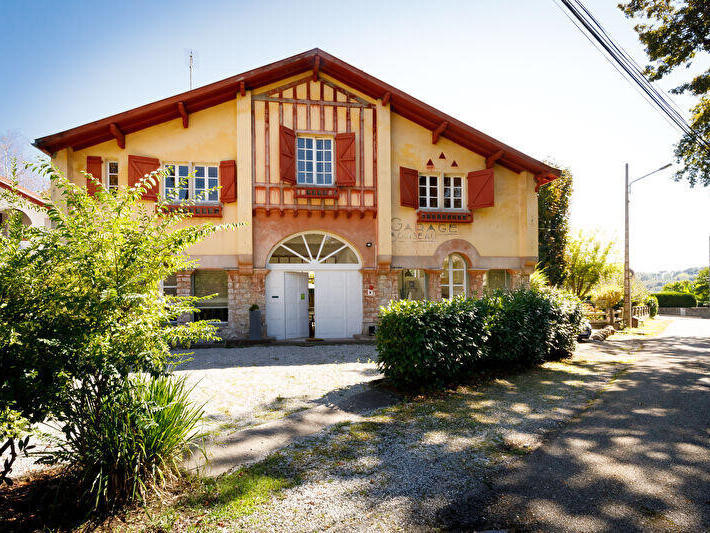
(314, 160)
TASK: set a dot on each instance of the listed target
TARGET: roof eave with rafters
(180, 105)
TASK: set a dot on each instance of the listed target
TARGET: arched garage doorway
(314, 276)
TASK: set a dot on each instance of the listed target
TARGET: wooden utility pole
(627, 271)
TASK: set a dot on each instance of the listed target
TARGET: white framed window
(112, 176)
(453, 277)
(453, 192)
(429, 192)
(314, 158)
(191, 181)
(441, 191)
(206, 179)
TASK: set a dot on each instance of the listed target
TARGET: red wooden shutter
(480, 189)
(287, 155)
(93, 167)
(409, 187)
(138, 167)
(345, 159)
(228, 181)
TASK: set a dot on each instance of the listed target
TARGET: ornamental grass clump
(123, 447)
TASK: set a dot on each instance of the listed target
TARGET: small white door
(296, 303)
(275, 308)
(338, 303)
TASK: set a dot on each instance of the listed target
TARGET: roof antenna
(191, 62)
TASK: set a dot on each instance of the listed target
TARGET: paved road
(638, 460)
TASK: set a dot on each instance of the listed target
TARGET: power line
(595, 33)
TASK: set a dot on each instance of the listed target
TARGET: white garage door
(338, 304)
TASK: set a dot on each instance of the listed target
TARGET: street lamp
(627, 272)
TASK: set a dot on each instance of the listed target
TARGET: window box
(461, 217)
(317, 192)
(198, 210)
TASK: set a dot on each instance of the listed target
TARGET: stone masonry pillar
(434, 284)
(475, 283)
(184, 288)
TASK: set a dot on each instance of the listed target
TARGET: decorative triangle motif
(454, 164)
(429, 163)
(442, 156)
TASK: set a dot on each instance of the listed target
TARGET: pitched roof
(222, 91)
(27, 194)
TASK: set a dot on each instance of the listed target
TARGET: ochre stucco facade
(364, 213)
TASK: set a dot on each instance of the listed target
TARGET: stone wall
(244, 290)
(378, 289)
(699, 312)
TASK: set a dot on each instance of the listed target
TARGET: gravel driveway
(245, 386)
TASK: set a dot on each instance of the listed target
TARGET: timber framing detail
(314, 108)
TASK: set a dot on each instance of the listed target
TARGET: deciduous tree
(586, 263)
(675, 33)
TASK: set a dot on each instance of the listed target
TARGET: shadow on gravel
(262, 356)
(639, 460)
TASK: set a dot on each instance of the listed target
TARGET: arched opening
(453, 277)
(314, 250)
(5, 215)
(314, 288)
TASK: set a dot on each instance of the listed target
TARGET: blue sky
(515, 69)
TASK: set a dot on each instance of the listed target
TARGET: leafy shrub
(423, 344)
(430, 344)
(675, 299)
(652, 303)
(123, 445)
(607, 296)
(526, 328)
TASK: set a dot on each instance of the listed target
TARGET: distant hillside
(654, 281)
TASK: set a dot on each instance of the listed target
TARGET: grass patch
(651, 327)
(239, 494)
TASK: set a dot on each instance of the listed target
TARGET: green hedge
(428, 345)
(675, 299)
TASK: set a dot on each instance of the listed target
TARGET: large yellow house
(354, 194)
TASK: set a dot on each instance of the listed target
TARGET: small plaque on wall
(444, 216)
(317, 192)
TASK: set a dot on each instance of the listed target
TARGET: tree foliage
(701, 287)
(586, 263)
(675, 33)
(553, 225)
(80, 304)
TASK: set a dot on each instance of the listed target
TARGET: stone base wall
(433, 284)
(519, 279)
(244, 290)
(475, 283)
(378, 289)
(184, 288)
(700, 312)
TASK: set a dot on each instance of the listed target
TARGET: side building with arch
(24, 202)
(353, 192)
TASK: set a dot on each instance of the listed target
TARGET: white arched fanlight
(314, 250)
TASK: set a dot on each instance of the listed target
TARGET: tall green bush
(675, 299)
(423, 344)
(81, 307)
